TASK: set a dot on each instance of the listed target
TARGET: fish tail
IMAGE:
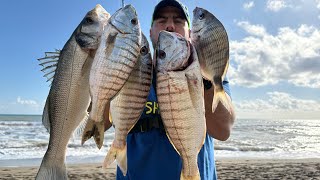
(52, 172)
(221, 96)
(95, 129)
(183, 177)
(118, 154)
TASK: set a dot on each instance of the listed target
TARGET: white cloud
(248, 5)
(279, 104)
(276, 5)
(292, 55)
(21, 106)
(26, 102)
(318, 3)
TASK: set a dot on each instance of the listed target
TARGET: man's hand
(219, 123)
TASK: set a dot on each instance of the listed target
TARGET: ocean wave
(247, 148)
(17, 124)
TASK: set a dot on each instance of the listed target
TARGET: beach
(226, 169)
(256, 149)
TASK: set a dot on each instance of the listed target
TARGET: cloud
(248, 5)
(260, 59)
(318, 3)
(279, 104)
(276, 5)
(26, 102)
(21, 106)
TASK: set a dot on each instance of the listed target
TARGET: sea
(24, 141)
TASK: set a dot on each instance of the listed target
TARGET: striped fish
(127, 106)
(116, 57)
(211, 42)
(180, 97)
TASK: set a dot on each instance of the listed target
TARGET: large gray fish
(116, 57)
(180, 97)
(68, 100)
(211, 42)
(127, 106)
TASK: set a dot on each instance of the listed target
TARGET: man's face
(170, 19)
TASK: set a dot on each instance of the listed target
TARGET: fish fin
(99, 134)
(45, 115)
(52, 172)
(79, 130)
(221, 96)
(49, 64)
(95, 129)
(182, 177)
(120, 155)
(225, 70)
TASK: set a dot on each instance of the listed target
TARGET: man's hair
(173, 3)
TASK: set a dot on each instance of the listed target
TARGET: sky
(274, 67)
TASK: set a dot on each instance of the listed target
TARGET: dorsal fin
(49, 64)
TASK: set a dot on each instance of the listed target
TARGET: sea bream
(116, 57)
(127, 106)
(211, 42)
(68, 100)
(180, 97)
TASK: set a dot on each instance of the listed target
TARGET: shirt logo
(152, 107)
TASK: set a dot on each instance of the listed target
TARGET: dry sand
(226, 169)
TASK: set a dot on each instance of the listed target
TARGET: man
(150, 155)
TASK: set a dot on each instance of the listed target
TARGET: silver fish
(116, 57)
(127, 106)
(68, 99)
(211, 42)
(180, 97)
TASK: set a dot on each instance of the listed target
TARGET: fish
(115, 59)
(68, 99)
(180, 95)
(126, 108)
(210, 39)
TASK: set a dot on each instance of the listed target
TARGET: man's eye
(178, 22)
(162, 21)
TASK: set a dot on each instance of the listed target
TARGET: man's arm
(219, 123)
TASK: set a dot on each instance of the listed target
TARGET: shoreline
(227, 168)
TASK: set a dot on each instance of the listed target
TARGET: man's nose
(170, 26)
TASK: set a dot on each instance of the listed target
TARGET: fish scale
(180, 97)
(115, 59)
(212, 45)
(127, 106)
(69, 98)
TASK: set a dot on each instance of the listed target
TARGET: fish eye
(201, 15)
(161, 54)
(144, 50)
(89, 20)
(134, 21)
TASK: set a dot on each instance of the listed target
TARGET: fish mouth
(198, 30)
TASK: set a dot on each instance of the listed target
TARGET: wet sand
(226, 169)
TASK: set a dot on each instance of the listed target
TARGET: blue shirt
(150, 155)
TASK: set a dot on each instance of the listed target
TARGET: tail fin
(117, 154)
(182, 177)
(52, 172)
(95, 129)
(221, 96)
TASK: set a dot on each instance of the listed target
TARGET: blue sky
(274, 51)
